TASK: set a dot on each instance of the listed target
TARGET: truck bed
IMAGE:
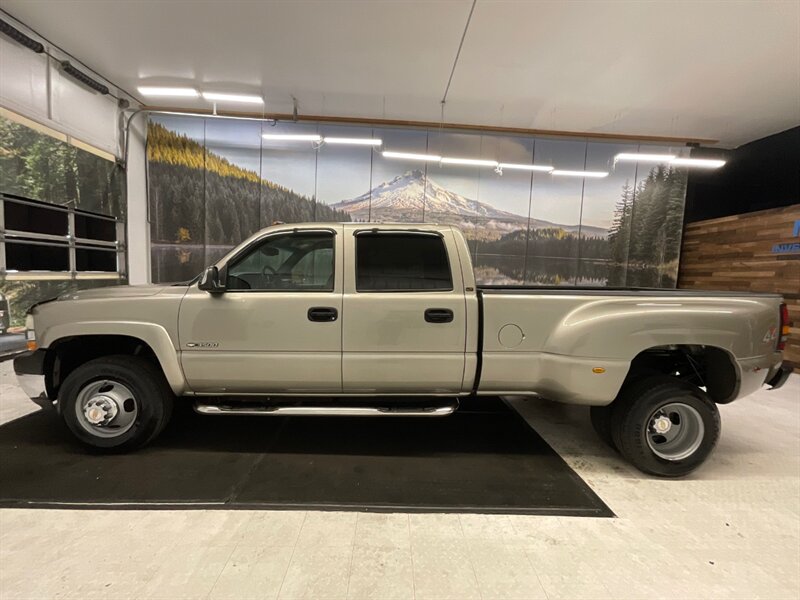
(616, 291)
(576, 343)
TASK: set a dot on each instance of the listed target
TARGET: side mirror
(210, 282)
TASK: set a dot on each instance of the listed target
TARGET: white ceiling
(726, 70)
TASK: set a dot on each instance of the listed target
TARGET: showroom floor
(731, 530)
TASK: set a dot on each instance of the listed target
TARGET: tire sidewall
(600, 417)
(132, 375)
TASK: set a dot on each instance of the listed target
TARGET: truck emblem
(202, 344)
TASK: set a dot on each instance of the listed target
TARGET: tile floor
(731, 530)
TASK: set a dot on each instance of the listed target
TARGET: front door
(404, 323)
(277, 328)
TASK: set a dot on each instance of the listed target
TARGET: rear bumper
(29, 368)
(780, 376)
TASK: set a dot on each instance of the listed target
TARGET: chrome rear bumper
(780, 377)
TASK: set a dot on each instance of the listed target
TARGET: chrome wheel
(106, 408)
(675, 431)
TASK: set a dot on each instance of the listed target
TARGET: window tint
(401, 262)
(288, 262)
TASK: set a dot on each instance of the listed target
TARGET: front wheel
(115, 403)
(665, 426)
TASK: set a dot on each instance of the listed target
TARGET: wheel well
(67, 354)
(704, 366)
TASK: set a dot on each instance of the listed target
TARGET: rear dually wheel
(665, 426)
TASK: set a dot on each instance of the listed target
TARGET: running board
(327, 411)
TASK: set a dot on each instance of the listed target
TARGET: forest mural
(202, 204)
(214, 182)
(41, 167)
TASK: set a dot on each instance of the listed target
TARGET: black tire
(150, 392)
(601, 422)
(633, 409)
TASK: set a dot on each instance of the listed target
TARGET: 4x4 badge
(202, 344)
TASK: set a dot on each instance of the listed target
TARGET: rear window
(401, 262)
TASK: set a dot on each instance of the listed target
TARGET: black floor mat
(484, 458)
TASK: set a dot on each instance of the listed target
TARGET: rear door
(404, 323)
(277, 327)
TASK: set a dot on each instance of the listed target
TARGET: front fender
(152, 334)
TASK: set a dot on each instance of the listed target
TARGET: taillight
(784, 333)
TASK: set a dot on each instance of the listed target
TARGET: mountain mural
(202, 203)
(401, 200)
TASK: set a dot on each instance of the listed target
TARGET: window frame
(262, 239)
(416, 232)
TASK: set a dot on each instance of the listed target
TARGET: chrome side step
(327, 411)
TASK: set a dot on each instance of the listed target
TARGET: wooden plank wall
(737, 253)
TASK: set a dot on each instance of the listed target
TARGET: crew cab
(387, 320)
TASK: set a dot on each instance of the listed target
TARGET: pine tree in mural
(644, 239)
(619, 233)
(41, 167)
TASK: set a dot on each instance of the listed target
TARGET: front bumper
(29, 367)
(780, 376)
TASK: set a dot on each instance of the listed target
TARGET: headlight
(30, 332)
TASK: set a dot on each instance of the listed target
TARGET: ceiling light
(244, 98)
(475, 162)
(704, 163)
(580, 173)
(636, 157)
(522, 167)
(168, 91)
(293, 137)
(354, 141)
(411, 156)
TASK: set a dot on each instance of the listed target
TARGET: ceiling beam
(592, 135)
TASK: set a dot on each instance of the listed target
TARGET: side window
(401, 262)
(290, 262)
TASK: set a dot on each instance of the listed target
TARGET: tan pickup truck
(386, 320)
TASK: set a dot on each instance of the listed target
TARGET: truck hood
(115, 291)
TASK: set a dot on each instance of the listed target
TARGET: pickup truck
(386, 320)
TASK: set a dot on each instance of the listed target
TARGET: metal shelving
(41, 241)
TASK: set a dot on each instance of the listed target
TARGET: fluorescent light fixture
(244, 98)
(293, 137)
(412, 156)
(354, 141)
(597, 174)
(636, 157)
(703, 163)
(522, 167)
(168, 91)
(475, 162)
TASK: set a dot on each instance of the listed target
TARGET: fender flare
(155, 336)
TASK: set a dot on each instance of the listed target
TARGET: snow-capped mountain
(401, 199)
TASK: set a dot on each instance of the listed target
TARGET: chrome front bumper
(29, 368)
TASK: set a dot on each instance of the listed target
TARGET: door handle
(323, 314)
(439, 315)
